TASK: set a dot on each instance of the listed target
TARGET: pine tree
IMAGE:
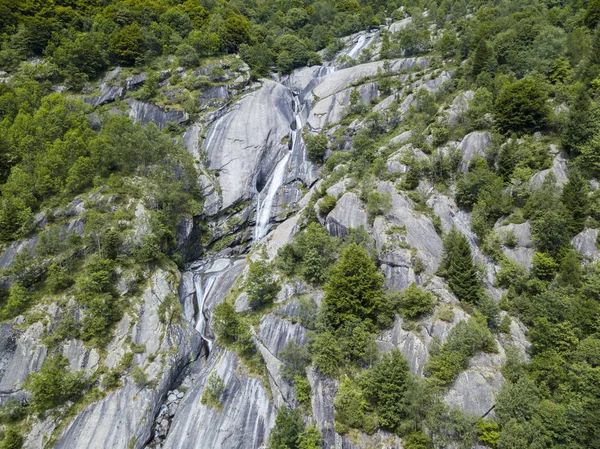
(458, 267)
(481, 58)
(576, 200)
(355, 288)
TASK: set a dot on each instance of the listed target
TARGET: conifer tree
(576, 201)
(355, 288)
(458, 267)
(481, 58)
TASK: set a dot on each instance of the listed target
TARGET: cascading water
(357, 48)
(263, 208)
(201, 293)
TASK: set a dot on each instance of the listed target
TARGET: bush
(261, 285)
(378, 203)
(139, 376)
(211, 397)
(464, 341)
(12, 439)
(521, 107)
(316, 147)
(326, 205)
(415, 302)
(53, 385)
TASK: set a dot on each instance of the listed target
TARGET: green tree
(316, 147)
(289, 426)
(126, 44)
(295, 358)
(521, 107)
(415, 302)
(226, 322)
(16, 219)
(261, 285)
(481, 58)
(310, 439)
(355, 288)
(384, 386)
(52, 385)
(458, 268)
(326, 353)
(576, 200)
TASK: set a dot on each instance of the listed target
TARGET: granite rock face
(124, 419)
(145, 113)
(245, 421)
(348, 213)
(244, 145)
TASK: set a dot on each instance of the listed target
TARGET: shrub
(378, 203)
(302, 390)
(261, 286)
(211, 397)
(327, 204)
(464, 341)
(521, 107)
(139, 376)
(12, 439)
(316, 147)
(53, 385)
(415, 302)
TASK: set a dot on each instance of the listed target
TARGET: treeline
(82, 38)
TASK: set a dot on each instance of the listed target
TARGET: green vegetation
(291, 433)
(464, 341)
(211, 397)
(458, 268)
(261, 286)
(52, 385)
(355, 288)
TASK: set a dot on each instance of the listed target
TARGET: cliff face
(253, 164)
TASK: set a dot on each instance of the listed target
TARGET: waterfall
(356, 49)
(201, 294)
(263, 208)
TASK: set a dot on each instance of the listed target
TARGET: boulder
(145, 113)
(559, 168)
(333, 108)
(585, 244)
(347, 213)
(474, 144)
(410, 345)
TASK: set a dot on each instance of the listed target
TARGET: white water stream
(264, 206)
(202, 292)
